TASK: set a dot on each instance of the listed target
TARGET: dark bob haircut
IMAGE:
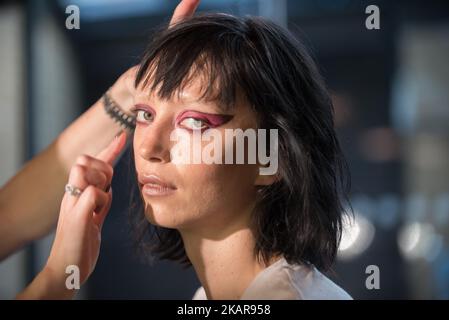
(300, 215)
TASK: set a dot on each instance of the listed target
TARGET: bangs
(187, 51)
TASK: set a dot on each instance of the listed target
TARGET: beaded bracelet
(116, 113)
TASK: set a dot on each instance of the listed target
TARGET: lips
(153, 185)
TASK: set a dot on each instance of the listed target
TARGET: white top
(284, 281)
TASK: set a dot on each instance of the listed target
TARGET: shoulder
(294, 282)
(284, 281)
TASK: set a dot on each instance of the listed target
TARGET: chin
(161, 218)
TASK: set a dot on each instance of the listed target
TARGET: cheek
(218, 186)
(134, 152)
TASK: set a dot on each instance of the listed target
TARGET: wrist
(55, 286)
(57, 283)
(122, 90)
(47, 285)
(117, 113)
(122, 98)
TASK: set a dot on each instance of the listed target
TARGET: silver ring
(72, 190)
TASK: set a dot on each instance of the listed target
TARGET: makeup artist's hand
(81, 217)
(78, 234)
(185, 9)
(122, 91)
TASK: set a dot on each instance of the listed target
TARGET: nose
(154, 141)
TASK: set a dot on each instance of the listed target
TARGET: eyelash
(142, 112)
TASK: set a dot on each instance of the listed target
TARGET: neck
(226, 263)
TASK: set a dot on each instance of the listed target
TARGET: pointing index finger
(113, 150)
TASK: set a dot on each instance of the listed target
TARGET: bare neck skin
(225, 263)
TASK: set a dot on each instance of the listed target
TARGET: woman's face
(209, 197)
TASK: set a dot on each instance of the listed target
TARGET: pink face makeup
(212, 120)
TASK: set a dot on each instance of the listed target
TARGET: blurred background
(391, 93)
